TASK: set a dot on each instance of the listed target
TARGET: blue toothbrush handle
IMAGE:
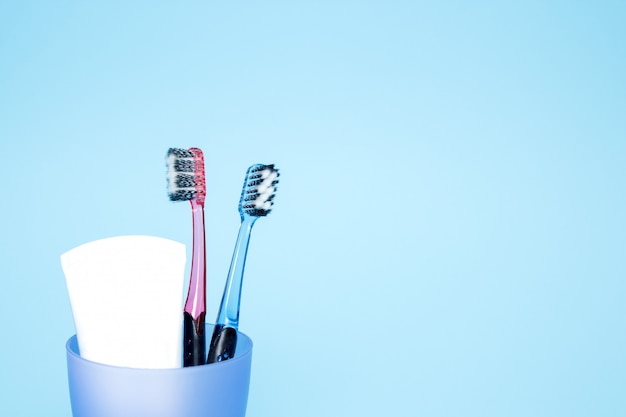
(224, 339)
(223, 344)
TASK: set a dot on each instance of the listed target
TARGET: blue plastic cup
(216, 390)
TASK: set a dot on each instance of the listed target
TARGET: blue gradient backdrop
(449, 234)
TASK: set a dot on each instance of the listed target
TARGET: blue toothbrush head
(259, 189)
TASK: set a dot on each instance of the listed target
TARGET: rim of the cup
(242, 356)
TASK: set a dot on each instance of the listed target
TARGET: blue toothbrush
(259, 189)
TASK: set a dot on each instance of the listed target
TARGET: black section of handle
(223, 344)
(194, 340)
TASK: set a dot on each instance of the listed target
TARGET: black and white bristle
(259, 189)
(185, 174)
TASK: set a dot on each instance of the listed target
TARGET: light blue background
(449, 233)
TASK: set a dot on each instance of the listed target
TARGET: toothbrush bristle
(259, 189)
(185, 175)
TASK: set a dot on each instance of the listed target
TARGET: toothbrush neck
(196, 296)
(228, 314)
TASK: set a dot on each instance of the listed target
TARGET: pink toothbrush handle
(194, 343)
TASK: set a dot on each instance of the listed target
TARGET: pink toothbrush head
(186, 178)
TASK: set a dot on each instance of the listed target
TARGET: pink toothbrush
(186, 182)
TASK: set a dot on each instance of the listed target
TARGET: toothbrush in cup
(187, 182)
(259, 189)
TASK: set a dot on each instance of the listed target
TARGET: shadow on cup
(219, 389)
